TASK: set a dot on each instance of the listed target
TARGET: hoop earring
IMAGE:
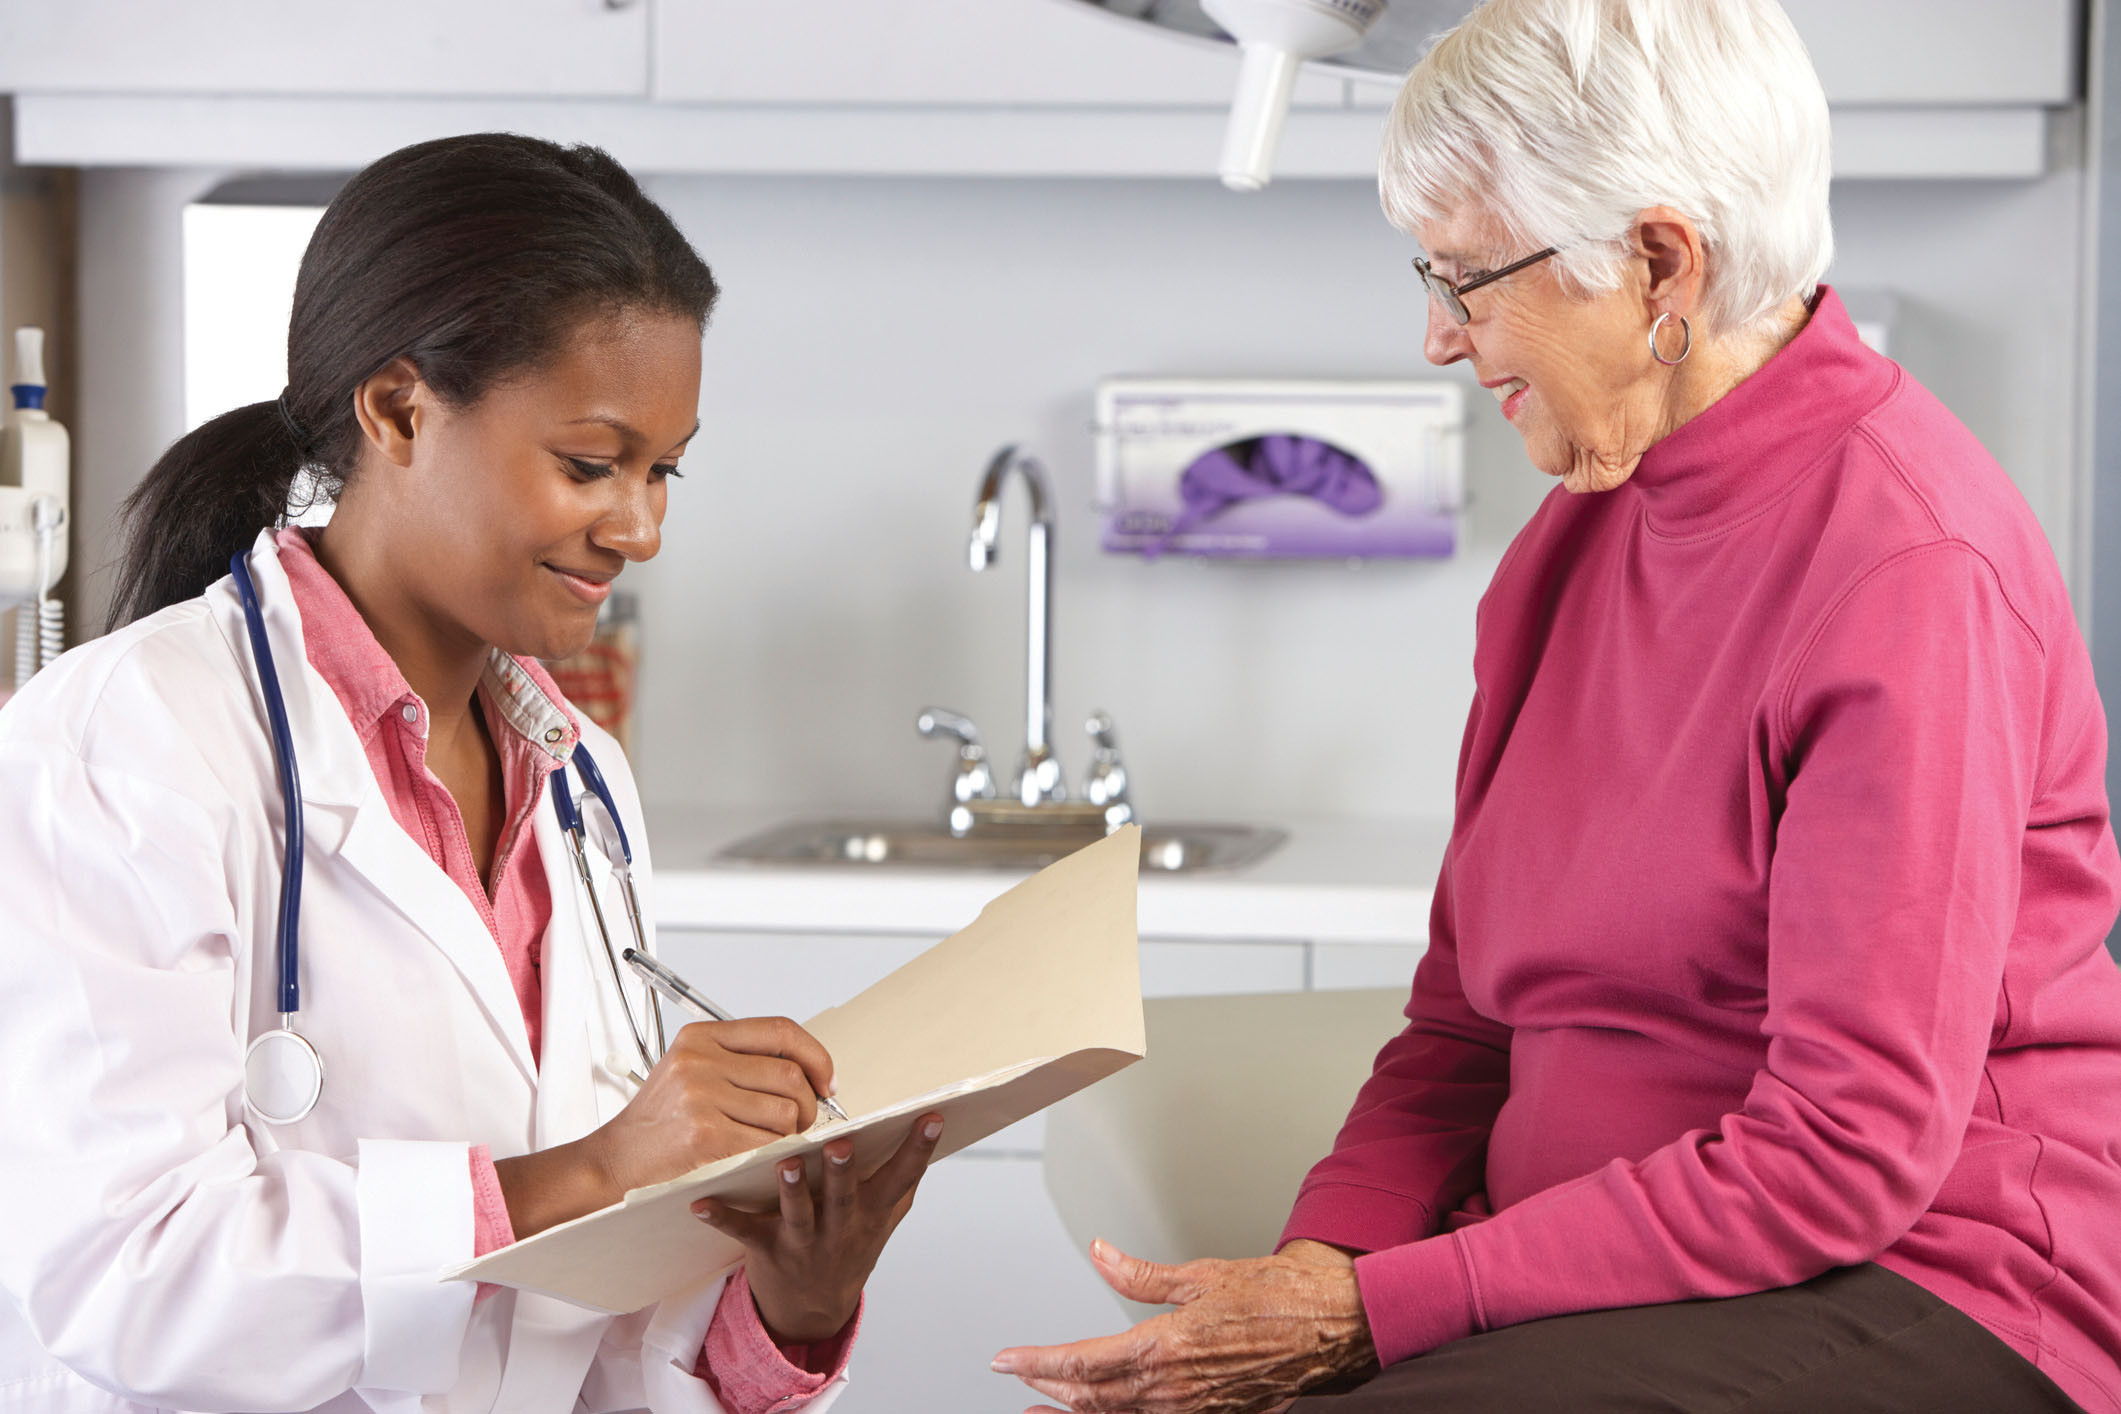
(1684, 349)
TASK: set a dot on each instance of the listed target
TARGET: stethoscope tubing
(288, 1044)
(596, 908)
(285, 949)
(571, 826)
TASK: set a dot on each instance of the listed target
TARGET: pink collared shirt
(749, 1372)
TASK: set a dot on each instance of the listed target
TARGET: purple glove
(1274, 465)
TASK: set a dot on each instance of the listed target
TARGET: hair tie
(294, 428)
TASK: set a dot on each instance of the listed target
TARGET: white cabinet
(453, 48)
(1943, 51)
(1923, 53)
(980, 1263)
(1922, 88)
(941, 52)
(1345, 967)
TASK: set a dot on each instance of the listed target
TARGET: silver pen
(656, 975)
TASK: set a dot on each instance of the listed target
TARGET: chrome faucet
(973, 781)
(1107, 782)
(1038, 796)
(1038, 774)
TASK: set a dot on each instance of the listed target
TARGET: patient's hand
(1246, 1337)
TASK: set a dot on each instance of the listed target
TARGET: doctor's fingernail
(933, 1129)
(1003, 1365)
(838, 1158)
(792, 1174)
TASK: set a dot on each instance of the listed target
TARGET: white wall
(879, 338)
(131, 303)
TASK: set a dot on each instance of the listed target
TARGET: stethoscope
(283, 1075)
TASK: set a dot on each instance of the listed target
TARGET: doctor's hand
(724, 1087)
(807, 1263)
(1246, 1337)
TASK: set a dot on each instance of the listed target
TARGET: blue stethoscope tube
(283, 750)
(283, 1074)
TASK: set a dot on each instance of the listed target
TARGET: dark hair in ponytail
(471, 256)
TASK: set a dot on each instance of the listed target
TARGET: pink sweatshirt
(748, 1371)
(1770, 937)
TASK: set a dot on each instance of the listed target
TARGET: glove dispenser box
(1257, 469)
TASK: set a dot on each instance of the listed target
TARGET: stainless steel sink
(920, 844)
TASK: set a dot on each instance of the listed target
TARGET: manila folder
(1038, 998)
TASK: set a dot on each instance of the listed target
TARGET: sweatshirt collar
(1749, 448)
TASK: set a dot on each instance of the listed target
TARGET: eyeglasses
(1450, 296)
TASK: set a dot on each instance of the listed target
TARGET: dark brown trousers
(1854, 1341)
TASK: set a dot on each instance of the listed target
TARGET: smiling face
(504, 522)
(1573, 373)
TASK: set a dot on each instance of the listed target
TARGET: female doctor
(493, 364)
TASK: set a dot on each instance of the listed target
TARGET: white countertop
(1334, 880)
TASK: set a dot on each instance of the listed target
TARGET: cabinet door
(782, 974)
(1919, 52)
(939, 52)
(981, 1262)
(1942, 51)
(441, 48)
(1340, 967)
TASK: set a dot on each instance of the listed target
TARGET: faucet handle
(941, 721)
(1107, 785)
(1101, 734)
(975, 778)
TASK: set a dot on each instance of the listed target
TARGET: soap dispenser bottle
(35, 455)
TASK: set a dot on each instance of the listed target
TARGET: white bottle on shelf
(35, 459)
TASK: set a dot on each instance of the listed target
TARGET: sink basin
(921, 844)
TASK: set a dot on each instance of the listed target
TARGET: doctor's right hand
(723, 1088)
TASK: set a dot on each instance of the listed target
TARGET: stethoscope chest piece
(282, 1077)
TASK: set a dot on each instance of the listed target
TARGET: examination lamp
(1374, 40)
(1275, 37)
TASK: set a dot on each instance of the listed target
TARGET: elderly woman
(1766, 1053)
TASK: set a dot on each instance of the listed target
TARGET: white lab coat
(158, 1248)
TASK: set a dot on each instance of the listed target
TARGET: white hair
(1563, 119)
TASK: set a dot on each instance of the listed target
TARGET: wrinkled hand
(723, 1088)
(807, 1263)
(1246, 1336)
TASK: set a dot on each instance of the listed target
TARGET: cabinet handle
(620, 4)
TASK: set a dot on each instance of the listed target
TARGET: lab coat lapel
(379, 850)
(345, 818)
(576, 1091)
(551, 1343)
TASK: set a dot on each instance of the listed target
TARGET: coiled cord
(40, 629)
(51, 631)
(25, 645)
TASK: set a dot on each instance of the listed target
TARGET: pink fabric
(751, 1373)
(1770, 937)
(378, 699)
(761, 1375)
(491, 1229)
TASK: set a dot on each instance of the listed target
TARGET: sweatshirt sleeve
(1414, 1145)
(155, 1239)
(1909, 732)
